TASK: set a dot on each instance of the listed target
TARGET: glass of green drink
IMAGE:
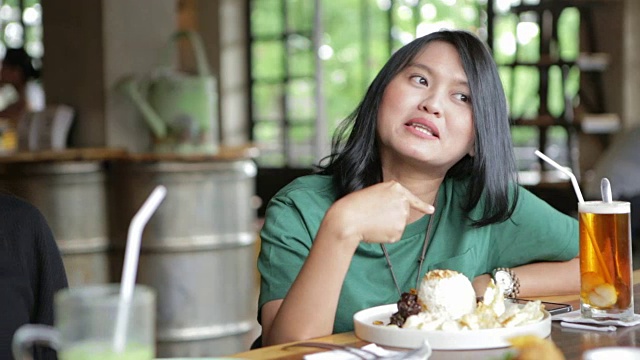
(85, 325)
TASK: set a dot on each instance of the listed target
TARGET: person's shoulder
(308, 186)
(308, 183)
(14, 207)
(21, 223)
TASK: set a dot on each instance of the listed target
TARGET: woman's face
(425, 116)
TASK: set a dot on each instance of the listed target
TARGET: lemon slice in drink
(603, 296)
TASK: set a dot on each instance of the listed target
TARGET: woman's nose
(431, 104)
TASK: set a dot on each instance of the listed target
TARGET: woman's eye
(419, 80)
(463, 98)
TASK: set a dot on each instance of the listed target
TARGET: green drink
(102, 351)
(85, 326)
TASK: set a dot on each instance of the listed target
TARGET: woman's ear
(472, 151)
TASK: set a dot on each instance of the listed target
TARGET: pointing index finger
(417, 204)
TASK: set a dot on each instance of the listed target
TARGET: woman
(427, 168)
(31, 271)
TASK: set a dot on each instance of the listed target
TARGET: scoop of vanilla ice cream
(447, 293)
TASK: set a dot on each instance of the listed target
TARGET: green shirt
(535, 232)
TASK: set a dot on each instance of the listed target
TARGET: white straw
(605, 190)
(574, 181)
(588, 327)
(130, 267)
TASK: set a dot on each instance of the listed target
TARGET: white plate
(440, 340)
(614, 352)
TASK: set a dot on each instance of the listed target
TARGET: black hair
(18, 57)
(355, 162)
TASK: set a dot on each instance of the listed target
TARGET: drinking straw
(576, 188)
(574, 181)
(130, 267)
(605, 190)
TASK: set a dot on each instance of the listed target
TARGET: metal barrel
(72, 197)
(197, 250)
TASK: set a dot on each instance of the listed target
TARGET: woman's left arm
(540, 245)
(541, 279)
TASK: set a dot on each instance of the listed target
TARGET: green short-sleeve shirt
(535, 232)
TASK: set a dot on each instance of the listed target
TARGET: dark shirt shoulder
(31, 270)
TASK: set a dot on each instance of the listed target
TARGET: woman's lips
(423, 128)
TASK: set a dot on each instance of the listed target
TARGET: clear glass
(606, 284)
(85, 323)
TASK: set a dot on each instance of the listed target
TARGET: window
(21, 26)
(536, 46)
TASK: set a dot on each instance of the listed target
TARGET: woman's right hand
(376, 214)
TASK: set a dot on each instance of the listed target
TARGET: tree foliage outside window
(517, 40)
(356, 38)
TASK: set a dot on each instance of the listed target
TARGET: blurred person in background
(31, 271)
(15, 95)
(16, 72)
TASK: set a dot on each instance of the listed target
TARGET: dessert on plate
(446, 301)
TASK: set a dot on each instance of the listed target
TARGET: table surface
(572, 342)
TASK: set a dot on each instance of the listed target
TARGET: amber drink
(606, 286)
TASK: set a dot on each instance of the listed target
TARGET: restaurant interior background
(287, 71)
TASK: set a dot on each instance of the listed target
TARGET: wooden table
(572, 342)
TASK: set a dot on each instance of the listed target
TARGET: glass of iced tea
(606, 284)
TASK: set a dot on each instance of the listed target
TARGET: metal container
(197, 250)
(72, 197)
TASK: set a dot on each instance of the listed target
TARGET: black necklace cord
(423, 254)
